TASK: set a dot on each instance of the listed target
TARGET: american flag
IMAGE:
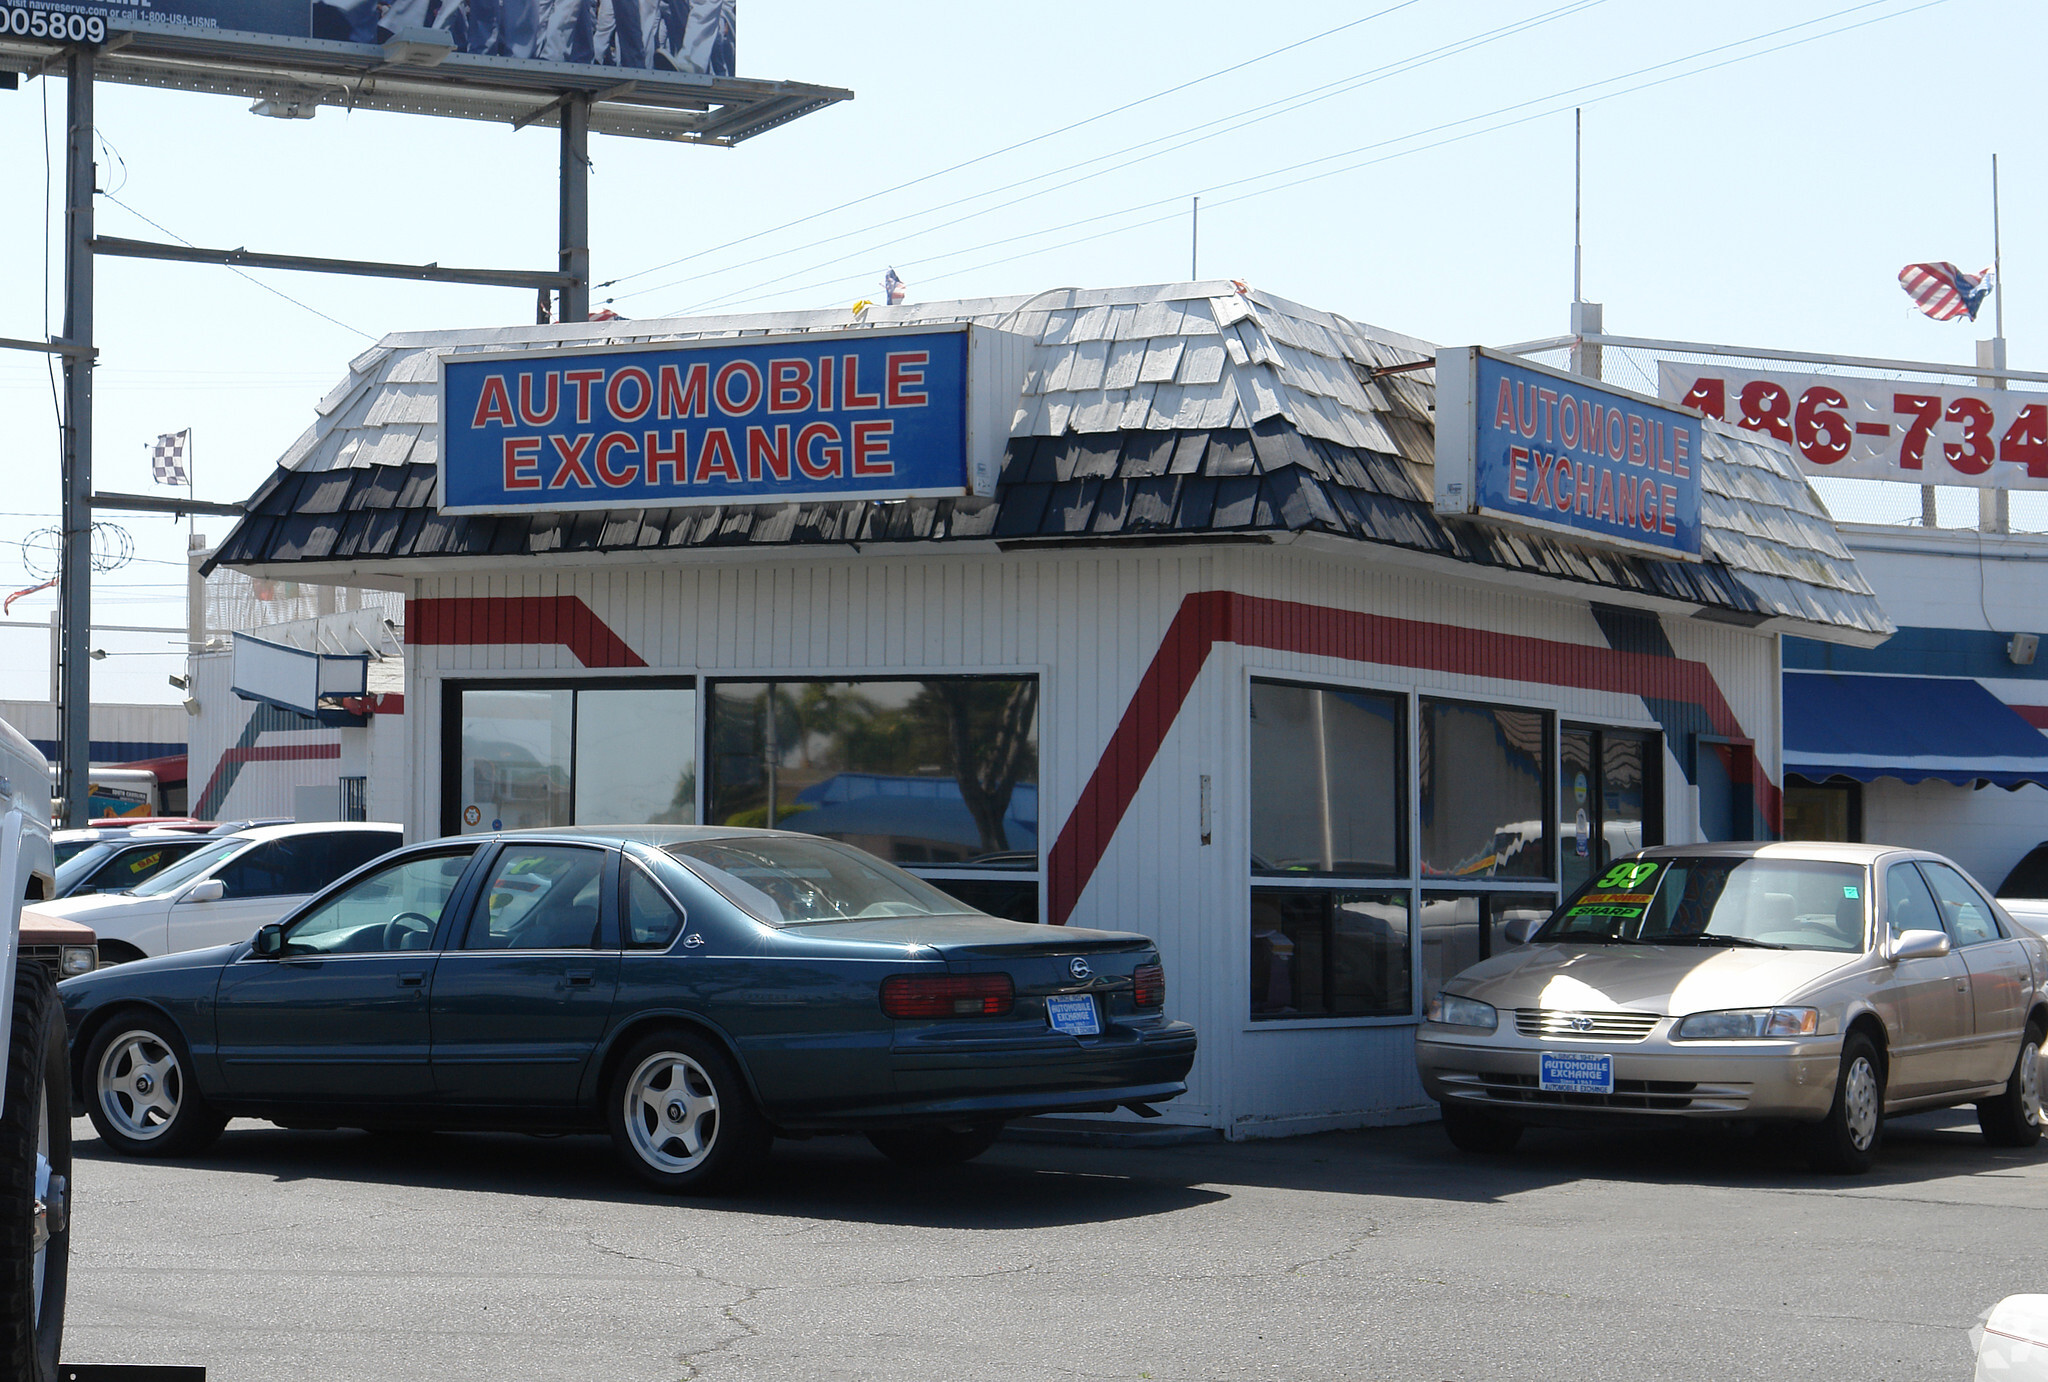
(1944, 292)
(167, 458)
(893, 288)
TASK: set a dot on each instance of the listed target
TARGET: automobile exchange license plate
(1074, 1014)
(1572, 1073)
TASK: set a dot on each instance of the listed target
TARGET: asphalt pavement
(303, 1257)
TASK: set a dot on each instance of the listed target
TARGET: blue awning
(1840, 724)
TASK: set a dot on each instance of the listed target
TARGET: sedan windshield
(188, 868)
(1767, 903)
(794, 879)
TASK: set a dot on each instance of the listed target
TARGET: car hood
(86, 906)
(1673, 979)
(115, 981)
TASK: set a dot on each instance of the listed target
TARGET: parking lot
(309, 1256)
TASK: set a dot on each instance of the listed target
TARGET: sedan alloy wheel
(682, 1117)
(143, 1101)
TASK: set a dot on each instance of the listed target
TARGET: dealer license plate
(1572, 1073)
(1074, 1014)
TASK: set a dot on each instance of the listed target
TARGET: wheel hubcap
(140, 1085)
(1859, 1103)
(671, 1112)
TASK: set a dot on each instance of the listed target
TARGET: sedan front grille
(1555, 1023)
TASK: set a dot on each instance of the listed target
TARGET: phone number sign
(1878, 429)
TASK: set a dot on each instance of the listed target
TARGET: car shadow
(831, 1178)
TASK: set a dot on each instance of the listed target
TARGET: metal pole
(575, 223)
(1195, 243)
(1997, 269)
(74, 699)
(1578, 198)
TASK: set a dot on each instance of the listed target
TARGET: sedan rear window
(790, 880)
(1768, 903)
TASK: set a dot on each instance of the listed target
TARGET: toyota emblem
(1582, 1024)
(1078, 968)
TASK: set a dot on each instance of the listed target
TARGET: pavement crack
(748, 1330)
(1356, 1241)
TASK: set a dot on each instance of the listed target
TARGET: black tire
(2014, 1118)
(946, 1145)
(1482, 1134)
(681, 1116)
(1846, 1142)
(140, 1093)
(35, 1123)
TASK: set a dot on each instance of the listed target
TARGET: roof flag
(893, 288)
(167, 458)
(1945, 292)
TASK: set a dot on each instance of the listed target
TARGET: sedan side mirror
(270, 940)
(1920, 945)
(206, 890)
(1522, 930)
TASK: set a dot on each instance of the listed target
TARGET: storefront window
(1326, 953)
(940, 772)
(1482, 788)
(1831, 810)
(1326, 780)
(1609, 792)
(570, 755)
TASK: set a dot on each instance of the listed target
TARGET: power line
(1231, 123)
(1020, 144)
(1178, 200)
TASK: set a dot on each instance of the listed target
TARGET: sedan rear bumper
(1654, 1080)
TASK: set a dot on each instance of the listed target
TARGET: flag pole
(1997, 267)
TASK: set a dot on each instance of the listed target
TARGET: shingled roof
(1181, 410)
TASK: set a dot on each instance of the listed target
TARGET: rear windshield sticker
(1848, 890)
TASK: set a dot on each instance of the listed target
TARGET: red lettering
(1669, 524)
(580, 380)
(1542, 495)
(1650, 510)
(678, 398)
(871, 439)
(528, 414)
(643, 394)
(1568, 421)
(821, 463)
(522, 463)
(903, 378)
(775, 453)
(1605, 508)
(1710, 396)
(1635, 440)
(1549, 397)
(716, 458)
(1525, 418)
(1559, 499)
(1518, 473)
(616, 441)
(572, 463)
(789, 386)
(1582, 487)
(747, 374)
(1504, 407)
(674, 458)
(493, 404)
(826, 371)
(1628, 509)
(850, 395)
(1681, 440)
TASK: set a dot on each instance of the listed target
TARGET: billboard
(1878, 429)
(1538, 448)
(692, 37)
(884, 414)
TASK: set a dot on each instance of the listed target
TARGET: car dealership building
(1139, 608)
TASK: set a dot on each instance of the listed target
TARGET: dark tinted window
(652, 920)
(2029, 877)
(303, 863)
(540, 897)
(1317, 953)
(1327, 794)
(130, 866)
(1484, 813)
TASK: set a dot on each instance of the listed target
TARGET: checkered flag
(167, 458)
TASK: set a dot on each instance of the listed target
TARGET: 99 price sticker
(54, 25)
(1880, 429)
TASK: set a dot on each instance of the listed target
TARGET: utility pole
(1195, 242)
(575, 218)
(74, 588)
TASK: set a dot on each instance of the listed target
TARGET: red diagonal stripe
(511, 619)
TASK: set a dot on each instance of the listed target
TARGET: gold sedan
(1821, 986)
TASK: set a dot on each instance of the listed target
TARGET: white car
(226, 890)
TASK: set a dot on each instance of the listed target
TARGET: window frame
(1404, 771)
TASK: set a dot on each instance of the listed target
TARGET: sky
(1755, 173)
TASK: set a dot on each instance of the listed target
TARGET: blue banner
(1562, 452)
(852, 415)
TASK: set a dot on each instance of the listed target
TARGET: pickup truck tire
(35, 1123)
(2013, 1119)
(140, 1093)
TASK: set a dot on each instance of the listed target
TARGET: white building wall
(1089, 623)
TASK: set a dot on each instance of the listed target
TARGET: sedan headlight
(1748, 1024)
(1454, 1011)
(78, 959)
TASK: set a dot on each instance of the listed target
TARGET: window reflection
(1326, 781)
(636, 756)
(1482, 781)
(1318, 953)
(942, 770)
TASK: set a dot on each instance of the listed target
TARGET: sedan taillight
(947, 995)
(1148, 986)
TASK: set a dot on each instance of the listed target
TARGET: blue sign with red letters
(866, 414)
(1563, 452)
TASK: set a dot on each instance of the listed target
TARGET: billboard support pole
(575, 219)
(74, 683)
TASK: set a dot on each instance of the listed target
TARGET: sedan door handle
(580, 978)
(412, 979)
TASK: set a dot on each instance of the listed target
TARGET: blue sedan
(696, 991)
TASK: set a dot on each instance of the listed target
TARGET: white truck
(35, 1086)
